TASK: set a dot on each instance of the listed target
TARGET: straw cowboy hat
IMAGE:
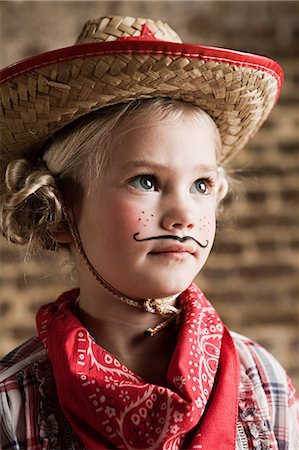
(119, 59)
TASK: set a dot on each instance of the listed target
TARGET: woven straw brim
(43, 94)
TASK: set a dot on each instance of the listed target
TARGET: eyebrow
(153, 165)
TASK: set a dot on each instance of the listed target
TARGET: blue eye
(144, 182)
(202, 186)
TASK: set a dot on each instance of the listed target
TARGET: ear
(61, 233)
(63, 237)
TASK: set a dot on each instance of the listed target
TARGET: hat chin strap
(155, 306)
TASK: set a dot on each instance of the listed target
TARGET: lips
(174, 248)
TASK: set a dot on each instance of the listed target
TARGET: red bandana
(105, 402)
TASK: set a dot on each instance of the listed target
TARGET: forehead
(187, 141)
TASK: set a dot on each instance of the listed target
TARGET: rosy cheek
(127, 217)
(131, 218)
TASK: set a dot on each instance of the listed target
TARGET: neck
(119, 327)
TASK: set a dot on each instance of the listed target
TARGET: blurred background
(252, 275)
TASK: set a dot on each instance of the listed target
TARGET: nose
(178, 217)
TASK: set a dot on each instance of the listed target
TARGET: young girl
(114, 149)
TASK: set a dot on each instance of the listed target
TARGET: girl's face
(158, 186)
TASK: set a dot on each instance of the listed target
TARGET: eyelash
(209, 181)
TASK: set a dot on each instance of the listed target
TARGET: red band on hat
(145, 47)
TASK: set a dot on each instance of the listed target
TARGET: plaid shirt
(31, 417)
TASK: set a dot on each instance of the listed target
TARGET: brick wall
(252, 275)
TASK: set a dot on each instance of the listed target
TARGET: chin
(167, 288)
(173, 283)
(156, 282)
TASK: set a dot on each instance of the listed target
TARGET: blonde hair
(32, 204)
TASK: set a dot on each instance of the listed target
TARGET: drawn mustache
(170, 236)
